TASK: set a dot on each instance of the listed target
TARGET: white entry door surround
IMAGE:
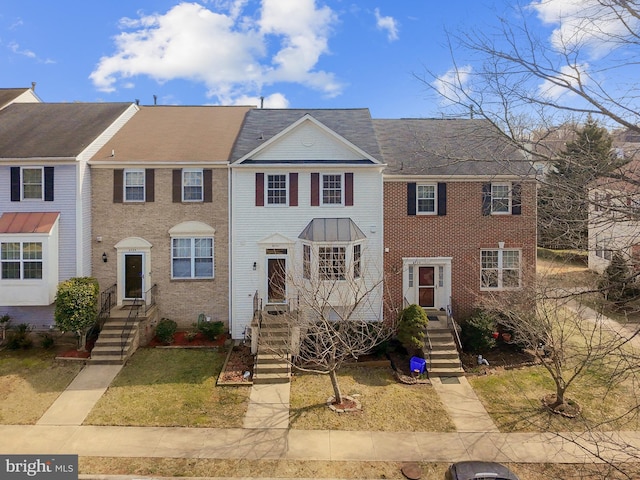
(426, 281)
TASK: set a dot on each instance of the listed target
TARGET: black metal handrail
(148, 301)
(108, 299)
(453, 325)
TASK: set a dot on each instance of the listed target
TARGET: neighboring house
(614, 218)
(161, 210)
(17, 95)
(459, 213)
(306, 212)
(45, 199)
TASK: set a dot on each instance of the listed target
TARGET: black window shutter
(118, 175)
(149, 185)
(486, 199)
(48, 184)
(442, 199)
(176, 187)
(411, 198)
(516, 199)
(207, 180)
(15, 184)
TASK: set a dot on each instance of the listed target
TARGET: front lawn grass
(512, 398)
(30, 381)
(386, 404)
(171, 387)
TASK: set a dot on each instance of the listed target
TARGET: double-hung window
(332, 263)
(500, 269)
(192, 185)
(32, 180)
(332, 189)
(134, 185)
(306, 261)
(426, 199)
(500, 198)
(357, 261)
(277, 189)
(21, 260)
(192, 257)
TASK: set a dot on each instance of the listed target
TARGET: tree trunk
(82, 341)
(560, 389)
(336, 388)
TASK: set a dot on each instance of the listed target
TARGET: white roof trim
(306, 118)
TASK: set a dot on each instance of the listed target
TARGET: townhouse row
(222, 210)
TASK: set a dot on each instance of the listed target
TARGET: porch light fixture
(104, 257)
(255, 265)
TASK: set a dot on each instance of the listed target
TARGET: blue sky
(294, 53)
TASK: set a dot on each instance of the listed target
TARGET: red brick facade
(460, 234)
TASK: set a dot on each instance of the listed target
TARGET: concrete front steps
(271, 364)
(115, 345)
(444, 360)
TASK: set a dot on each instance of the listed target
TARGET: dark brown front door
(426, 286)
(277, 280)
(133, 275)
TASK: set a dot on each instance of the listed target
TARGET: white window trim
(349, 263)
(342, 188)
(509, 197)
(22, 260)
(192, 257)
(266, 190)
(435, 198)
(22, 197)
(500, 268)
(183, 186)
(124, 185)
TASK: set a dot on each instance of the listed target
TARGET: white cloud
(584, 23)
(275, 100)
(449, 83)
(232, 54)
(387, 23)
(15, 48)
(569, 76)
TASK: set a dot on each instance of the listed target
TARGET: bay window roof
(332, 230)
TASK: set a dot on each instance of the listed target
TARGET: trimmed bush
(211, 330)
(411, 328)
(76, 306)
(165, 330)
(477, 332)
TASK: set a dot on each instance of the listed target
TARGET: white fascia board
(306, 118)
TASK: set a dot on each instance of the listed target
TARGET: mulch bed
(181, 339)
(238, 363)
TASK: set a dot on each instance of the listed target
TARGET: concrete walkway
(268, 406)
(466, 411)
(74, 404)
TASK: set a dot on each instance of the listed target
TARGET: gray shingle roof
(30, 130)
(260, 125)
(7, 95)
(446, 148)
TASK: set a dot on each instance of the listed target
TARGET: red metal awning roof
(28, 222)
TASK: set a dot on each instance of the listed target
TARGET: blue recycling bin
(418, 364)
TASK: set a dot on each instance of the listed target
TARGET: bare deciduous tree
(337, 315)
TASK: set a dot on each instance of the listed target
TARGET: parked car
(475, 470)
